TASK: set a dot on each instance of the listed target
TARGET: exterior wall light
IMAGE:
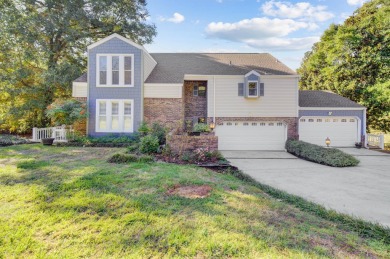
(212, 126)
(327, 141)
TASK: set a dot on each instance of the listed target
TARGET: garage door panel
(342, 131)
(251, 136)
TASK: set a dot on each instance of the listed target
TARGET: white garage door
(342, 131)
(251, 135)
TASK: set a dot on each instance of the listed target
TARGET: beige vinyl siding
(149, 64)
(280, 98)
(79, 89)
(163, 90)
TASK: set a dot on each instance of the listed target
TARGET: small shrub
(160, 132)
(326, 156)
(143, 129)
(149, 144)
(187, 157)
(133, 148)
(123, 158)
(146, 159)
(201, 127)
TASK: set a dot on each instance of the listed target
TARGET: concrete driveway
(362, 191)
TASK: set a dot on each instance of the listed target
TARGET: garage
(250, 135)
(342, 131)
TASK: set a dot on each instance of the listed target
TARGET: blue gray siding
(336, 113)
(114, 46)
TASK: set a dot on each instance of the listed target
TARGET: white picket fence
(58, 133)
(376, 140)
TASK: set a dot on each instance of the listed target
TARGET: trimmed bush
(149, 145)
(146, 159)
(160, 132)
(325, 156)
(201, 127)
(123, 158)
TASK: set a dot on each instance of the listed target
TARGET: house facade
(252, 98)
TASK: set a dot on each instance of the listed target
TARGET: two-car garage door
(251, 135)
(342, 131)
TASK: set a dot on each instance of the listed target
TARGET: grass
(69, 202)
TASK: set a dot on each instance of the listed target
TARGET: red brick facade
(167, 111)
(292, 122)
(184, 143)
(194, 106)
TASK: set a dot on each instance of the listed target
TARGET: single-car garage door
(342, 131)
(249, 135)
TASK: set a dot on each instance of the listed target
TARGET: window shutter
(240, 89)
(261, 89)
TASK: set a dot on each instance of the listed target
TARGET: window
(254, 124)
(245, 124)
(271, 124)
(327, 120)
(311, 120)
(343, 120)
(352, 120)
(279, 124)
(114, 115)
(335, 120)
(262, 124)
(199, 90)
(115, 70)
(252, 89)
(302, 120)
(229, 124)
(319, 120)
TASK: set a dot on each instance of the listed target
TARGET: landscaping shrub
(106, 141)
(201, 127)
(326, 156)
(149, 144)
(146, 159)
(160, 132)
(143, 129)
(9, 140)
(133, 148)
(123, 158)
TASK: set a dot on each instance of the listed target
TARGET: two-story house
(252, 98)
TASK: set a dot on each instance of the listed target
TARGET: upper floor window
(252, 89)
(115, 70)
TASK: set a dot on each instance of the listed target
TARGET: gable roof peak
(118, 36)
(252, 72)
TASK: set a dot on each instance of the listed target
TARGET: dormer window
(115, 70)
(253, 89)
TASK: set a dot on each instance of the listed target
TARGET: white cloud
(219, 1)
(301, 10)
(176, 18)
(356, 2)
(256, 28)
(283, 44)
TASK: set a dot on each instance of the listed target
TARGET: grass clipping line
(363, 228)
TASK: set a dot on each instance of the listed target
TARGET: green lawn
(69, 202)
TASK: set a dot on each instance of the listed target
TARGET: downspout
(214, 99)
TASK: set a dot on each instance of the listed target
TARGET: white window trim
(257, 89)
(109, 116)
(109, 70)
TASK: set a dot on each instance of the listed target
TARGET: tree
(353, 60)
(43, 44)
(66, 111)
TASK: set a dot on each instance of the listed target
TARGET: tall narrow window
(102, 115)
(115, 70)
(103, 70)
(114, 115)
(127, 65)
(127, 116)
(252, 89)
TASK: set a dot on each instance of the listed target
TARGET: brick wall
(167, 111)
(292, 122)
(183, 143)
(194, 106)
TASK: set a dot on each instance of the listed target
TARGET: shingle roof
(171, 67)
(311, 98)
(83, 78)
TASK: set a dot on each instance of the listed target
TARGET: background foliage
(353, 60)
(42, 49)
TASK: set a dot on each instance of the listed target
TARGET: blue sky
(286, 29)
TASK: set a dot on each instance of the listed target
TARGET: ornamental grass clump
(325, 156)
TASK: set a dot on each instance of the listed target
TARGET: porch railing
(376, 140)
(58, 133)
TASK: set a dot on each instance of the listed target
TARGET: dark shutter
(261, 89)
(240, 89)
